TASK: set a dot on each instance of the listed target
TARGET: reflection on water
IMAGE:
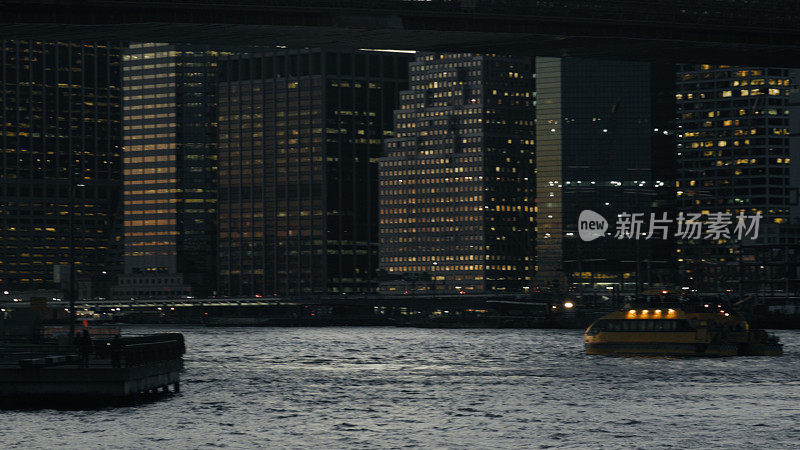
(397, 387)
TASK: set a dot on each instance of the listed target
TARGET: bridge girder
(391, 24)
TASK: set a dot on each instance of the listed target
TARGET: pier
(115, 370)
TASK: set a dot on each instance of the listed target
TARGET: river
(367, 387)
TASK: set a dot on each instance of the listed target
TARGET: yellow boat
(706, 329)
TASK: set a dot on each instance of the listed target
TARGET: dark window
(331, 63)
(346, 63)
(315, 63)
(617, 325)
(269, 70)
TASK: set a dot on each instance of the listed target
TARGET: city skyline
(399, 224)
(185, 153)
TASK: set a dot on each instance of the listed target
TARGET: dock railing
(125, 351)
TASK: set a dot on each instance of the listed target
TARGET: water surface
(403, 387)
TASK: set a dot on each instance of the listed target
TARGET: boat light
(705, 306)
(727, 314)
(568, 305)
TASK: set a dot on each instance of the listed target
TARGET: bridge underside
(611, 47)
(297, 27)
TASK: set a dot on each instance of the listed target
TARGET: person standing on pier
(84, 343)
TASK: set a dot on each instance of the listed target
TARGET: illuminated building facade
(300, 136)
(735, 155)
(457, 179)
(170, 162)
(605, 142)
(59, 138)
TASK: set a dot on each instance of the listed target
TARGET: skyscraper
(170, 163)
(456, 192)
(604, 143)
(59, 140)
(300, 136)
(736, 156)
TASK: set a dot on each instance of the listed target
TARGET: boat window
(601, 325)
(623, 325)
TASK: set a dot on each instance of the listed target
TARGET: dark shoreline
(576, 322)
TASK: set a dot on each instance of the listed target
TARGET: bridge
(755, 32)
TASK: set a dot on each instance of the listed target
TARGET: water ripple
(405, 388)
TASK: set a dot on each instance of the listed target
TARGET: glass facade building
(170, 164)
(456, 183)
(59, 140)
(605, 142)
(300, 134)
(735, 155)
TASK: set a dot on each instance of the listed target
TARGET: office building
(170, 163)
(60, 144)
(456, 183)
(605, 142)
(300, 134)
(735, 155)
